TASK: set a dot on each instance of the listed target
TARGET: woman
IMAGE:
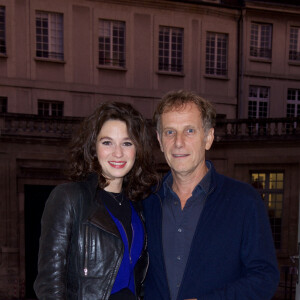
(92, 243)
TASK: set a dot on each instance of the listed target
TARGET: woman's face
(115, 150)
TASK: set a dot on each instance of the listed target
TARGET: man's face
(183, 140)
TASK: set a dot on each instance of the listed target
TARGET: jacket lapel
(103, 220)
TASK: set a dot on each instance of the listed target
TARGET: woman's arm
(56, 228)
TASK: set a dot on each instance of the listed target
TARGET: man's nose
(179, 140)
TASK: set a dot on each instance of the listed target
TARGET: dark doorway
(35, 199)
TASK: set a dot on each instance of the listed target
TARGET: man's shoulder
(237, 191)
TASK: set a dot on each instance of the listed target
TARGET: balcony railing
(37, 126)
(258, 129)
(34, 126)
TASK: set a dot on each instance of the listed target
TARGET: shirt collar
(203, 185)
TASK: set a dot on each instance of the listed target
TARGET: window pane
(2, 31)
(50, 108)
(216, 54)
(170, 49)
(294, 51)
(261, 40)
(49, 35)
(271, 187)
(3, 104)
(258, 102)
(112, 43)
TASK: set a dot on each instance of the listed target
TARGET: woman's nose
(118, 152)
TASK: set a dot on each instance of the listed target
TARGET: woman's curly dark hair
(83, 156)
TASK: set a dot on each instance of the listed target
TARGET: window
(292, 107)
(258, 108)
(112, 43)
(293, 103)
(270, 185)
(2, 30)
(258, 102)
(216, 54)
(261, 40)
(50, 108)
(49, 35)
(3, 104)
(170, 49)
(294, 53)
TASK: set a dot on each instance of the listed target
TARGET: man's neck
(184, 184)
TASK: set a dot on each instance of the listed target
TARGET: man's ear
(159, 140)
(209, 138)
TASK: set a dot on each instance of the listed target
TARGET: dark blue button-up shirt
(178, 227)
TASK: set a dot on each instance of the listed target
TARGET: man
(208, 235)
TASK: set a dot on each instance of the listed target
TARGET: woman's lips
(117, 164)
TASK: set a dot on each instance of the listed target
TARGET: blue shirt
(178, 227)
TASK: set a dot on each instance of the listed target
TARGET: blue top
(125, 277)
(232, 254)
(178, 227)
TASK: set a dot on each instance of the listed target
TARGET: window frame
(3, 104)
(294, 48)
(50, 109)
(258, 51)
(170, 50)
(259, 100)
(266, 191)
(3, 31)
(217, 56)
(120, 61)
(45, 47)
(295, 102)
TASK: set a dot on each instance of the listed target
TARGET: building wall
(277, 73)
(81, 83)
(30, 158)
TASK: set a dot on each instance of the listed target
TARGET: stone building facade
(60, 59)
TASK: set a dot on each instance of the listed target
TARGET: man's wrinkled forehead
(179, 106)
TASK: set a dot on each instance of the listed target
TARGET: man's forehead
(182, 108)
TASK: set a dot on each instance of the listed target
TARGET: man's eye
(190, 130)
(169, 132)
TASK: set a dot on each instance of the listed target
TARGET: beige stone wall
(81, 83)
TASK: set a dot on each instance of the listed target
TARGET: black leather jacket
(80, 246)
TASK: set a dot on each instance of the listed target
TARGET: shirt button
(178, 257)
(178, 285)
(179, 230)
(175, 202)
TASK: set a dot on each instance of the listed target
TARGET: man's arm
(260, 276)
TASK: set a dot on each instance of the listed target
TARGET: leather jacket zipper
(85, 270)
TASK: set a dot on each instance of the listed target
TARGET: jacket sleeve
(260, 277)
(56, 228)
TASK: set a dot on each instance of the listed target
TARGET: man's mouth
(180, 155)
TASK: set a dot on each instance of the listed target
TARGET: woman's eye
(128, 144)
(106, 143)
